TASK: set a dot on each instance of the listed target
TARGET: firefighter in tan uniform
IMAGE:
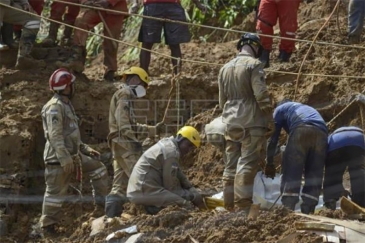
(157, 180)
(246, 105)
(64, 153)
(126, 135)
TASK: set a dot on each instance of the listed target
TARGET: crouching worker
(157, 180)
(346, 149)
(64, 154)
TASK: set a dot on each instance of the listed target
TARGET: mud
(193, 99)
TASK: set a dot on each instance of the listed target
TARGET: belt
(53, 163)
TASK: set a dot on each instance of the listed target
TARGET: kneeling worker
(157, 180)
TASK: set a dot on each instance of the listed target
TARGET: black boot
(114, 205)
(109, 76)
(66, 39)
(25, 61)
(284, 56)
(51, 39)
(265, 58)
(330, 204)
(306, 209)
(354, 39)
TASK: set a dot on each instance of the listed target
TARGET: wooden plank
(354, 225)
(314, 226)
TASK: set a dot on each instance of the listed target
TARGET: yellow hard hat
(138, 71)
(191, 134)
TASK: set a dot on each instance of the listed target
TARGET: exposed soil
(23, 93)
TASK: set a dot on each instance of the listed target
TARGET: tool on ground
(213, 203)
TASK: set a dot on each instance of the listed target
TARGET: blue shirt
(292, 114)
(346, 136)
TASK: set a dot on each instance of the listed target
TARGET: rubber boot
(152, 210)
(51, 39)
(114, 205)
(306, 209)
(284, 56)
(109, 76)
(265, 58)
(25, 61)
(66, 39)
(7, 32)
(228, 194)
(330, 204)
(76, 61)
(354, 40)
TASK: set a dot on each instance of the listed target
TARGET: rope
(310, 47)
(184, 60)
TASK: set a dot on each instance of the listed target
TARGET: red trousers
(37, 6)
(284, 10)
(59, 9)
(88, 18)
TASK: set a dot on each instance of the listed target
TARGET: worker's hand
(160, 127)
(26, 6)
(197, 199)
(270, 171)
(93, 152)
(134, 8)
(69, 168)
(100, 3)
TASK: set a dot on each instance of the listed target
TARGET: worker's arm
(54, 133)
(273, 141)
(222, 95)
(167, 179)
(260, 90)
(122, 116)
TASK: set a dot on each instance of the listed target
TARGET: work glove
(69, 168)
(197, 199)
(134, 8)
(26, 7)
(137, 146)
(160, 127)
(270, 171)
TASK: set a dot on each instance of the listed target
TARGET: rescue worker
(157, 180)
(64, 152)
(215, 132)
(305, 150)
(269, 12)
(126, 135)
(246, 105)
(58, 10)
(150, 31)
(346, 149)
(30, 25)
(355, 20)
(87, 19)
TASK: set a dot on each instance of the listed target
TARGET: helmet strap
(253, 50)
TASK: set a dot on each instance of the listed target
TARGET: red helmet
(60, 79)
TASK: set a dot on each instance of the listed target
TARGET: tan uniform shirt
(242, 88)
(154, 177)
(122, 123)
(61, 131)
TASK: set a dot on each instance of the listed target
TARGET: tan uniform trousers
(219, 141)
(125, 157)
(244, 145)
(57, 182)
